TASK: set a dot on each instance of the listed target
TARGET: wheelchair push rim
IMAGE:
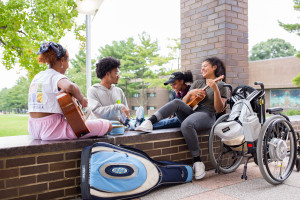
(276, 149)
(222, 157)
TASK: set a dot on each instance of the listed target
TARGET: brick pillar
(215, 28)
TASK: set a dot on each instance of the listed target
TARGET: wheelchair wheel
(276, 149)
(223, 158)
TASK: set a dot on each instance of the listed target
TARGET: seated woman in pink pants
(46, 121)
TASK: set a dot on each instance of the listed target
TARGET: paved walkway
(231, 187)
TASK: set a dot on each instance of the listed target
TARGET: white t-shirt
(43, 91)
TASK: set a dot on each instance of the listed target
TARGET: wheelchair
(274, 150)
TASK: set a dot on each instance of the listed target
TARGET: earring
(62, 66)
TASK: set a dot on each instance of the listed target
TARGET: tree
(16, 97)
(175, 50)
(293, 28)
(296, 80)
(272, 48)
(141, 64)
(148, 64)
(25, 24)
(77, 72)
(122, 50)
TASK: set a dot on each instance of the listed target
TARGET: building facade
(277, 75)
(154, 98)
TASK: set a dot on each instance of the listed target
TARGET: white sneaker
(145, 126)
(140, 116)
(199, 170)
(140, 113)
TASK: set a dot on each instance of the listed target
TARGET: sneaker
(124, 120)
(199, 170)
(145, 126)
(87, 112)
(140, 116)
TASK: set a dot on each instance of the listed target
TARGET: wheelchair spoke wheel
(276, 149)
(222, 157)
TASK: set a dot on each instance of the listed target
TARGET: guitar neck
(215, 80)
(205, 87)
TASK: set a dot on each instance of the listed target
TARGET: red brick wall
(52, 170)
(215, 28)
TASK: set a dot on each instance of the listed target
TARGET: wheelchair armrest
(275, 110)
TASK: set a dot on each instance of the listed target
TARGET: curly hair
(49, 57)
(220, 66)
(106, 65)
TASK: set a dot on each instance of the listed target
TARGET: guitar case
(122, 172)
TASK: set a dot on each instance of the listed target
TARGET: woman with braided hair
(46, 121)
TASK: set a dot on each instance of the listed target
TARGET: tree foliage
(25, 24)
(16, 97)
(141, 63)
(77, 71)
(272, 48)
(294, 28)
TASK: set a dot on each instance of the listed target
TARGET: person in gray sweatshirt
(107, 101)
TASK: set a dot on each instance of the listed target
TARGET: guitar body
(73, 113)
(194, 102)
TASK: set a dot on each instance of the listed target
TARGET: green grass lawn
(13, 125)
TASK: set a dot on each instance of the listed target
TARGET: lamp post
(88, 7)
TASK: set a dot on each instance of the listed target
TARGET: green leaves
(272, 48)
(16, 97)
(141, 63)
(293, 28)
(25, 24)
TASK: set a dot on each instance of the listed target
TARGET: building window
(136, 95)
(151, 107)
(151, 94)
(134, 107)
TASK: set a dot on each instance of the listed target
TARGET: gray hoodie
(104, 102)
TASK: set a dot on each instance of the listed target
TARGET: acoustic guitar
(194, 102)
(73, 113)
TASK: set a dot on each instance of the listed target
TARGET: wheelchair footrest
(275, 110)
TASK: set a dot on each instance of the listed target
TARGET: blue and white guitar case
(122, 172)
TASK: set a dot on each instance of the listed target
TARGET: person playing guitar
(203, 117)
(46, 121)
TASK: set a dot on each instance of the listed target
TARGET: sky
(121, 19)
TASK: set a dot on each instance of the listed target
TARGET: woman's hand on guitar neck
(212, 84)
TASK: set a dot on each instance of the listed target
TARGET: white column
(88, 52)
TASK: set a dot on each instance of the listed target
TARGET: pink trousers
(56, 127)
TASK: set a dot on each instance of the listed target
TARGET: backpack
(242, 124)
(122, 172)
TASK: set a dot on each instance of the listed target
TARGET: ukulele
(194, 102)
(73, 113)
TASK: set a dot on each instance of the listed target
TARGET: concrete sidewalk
(231, 187)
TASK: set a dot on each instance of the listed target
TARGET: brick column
(215, 28)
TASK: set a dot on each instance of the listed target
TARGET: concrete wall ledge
(25, 144)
